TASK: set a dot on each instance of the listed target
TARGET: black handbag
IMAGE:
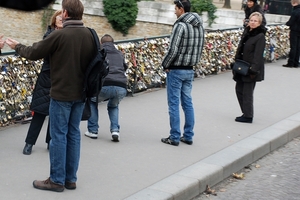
(241, 67)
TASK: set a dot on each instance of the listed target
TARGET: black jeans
(294, 54)
(35, 128)
(244, 92)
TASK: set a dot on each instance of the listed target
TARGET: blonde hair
(259, 15)
(53, 18)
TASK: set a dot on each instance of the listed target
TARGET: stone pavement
(142, 167)
(275, 176)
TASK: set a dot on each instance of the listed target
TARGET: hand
(11, 43)
(2, 42)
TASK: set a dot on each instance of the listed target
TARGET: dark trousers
(244, 92)
(294, 54)
(35, 128)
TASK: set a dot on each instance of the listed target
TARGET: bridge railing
(143, 56)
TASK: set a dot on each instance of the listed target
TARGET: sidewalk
(140, 166)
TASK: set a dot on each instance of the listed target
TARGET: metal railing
(146, 72)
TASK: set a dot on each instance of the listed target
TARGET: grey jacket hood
(191, 18)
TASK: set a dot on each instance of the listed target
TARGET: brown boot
(70, 185)
(48, 185)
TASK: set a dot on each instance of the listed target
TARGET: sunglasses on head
(179, 2)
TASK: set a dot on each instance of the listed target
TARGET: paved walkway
(140, 166)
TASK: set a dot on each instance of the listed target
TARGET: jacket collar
(73, 23)
(256, 31)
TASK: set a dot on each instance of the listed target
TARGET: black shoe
(182, 139)
(27, 149)
(244, 119)
(287, 66)
(169, 141)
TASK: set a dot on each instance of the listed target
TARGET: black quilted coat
(41, 93)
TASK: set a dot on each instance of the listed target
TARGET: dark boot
(27, 149)
(244, 119)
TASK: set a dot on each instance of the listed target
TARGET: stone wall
(23, 26)
(154, 19)
(26, 27)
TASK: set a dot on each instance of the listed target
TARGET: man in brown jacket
(70, 49)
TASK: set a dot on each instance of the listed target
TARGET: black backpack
(96, 71)
(94, 76)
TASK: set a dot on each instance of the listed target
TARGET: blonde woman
(250, 49)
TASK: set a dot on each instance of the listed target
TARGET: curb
(192, 181)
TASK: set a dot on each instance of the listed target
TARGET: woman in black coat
(250, 49)
(41, 95)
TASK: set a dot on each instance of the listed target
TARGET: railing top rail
(140, 39)
(6, 53)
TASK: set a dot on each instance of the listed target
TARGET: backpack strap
(96, 38)
(97, 42)
(89, 68)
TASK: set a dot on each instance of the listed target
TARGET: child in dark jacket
(252, 6)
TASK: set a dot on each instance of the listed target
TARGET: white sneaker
(115, 136)
(91, 135)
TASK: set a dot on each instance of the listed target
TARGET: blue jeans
(65, 140)
(114, 94)
(179, 88)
